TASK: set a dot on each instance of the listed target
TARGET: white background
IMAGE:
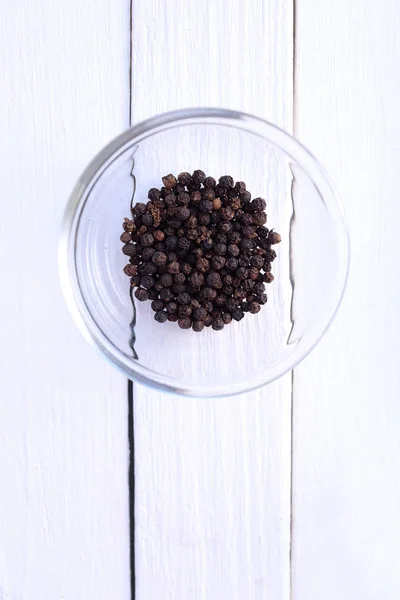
(291, 492)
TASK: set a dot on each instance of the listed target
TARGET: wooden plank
(213, 476)
(346, 395)
(63, 412)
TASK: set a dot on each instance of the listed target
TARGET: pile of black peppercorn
(200, 251)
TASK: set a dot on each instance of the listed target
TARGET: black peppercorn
(233, 250)
(184, 311)
(149, 268)
(173, 267)
(142, 294)
(184, 178)
(197, 280)
(159, 258)
(166, 280)
(217, 262)
(126, 237)
(200, 313)
(166, 295)
(198, 326)
(218, 324)
(198, 176)
(183, 298)
(129, 249)
(185, 323)
(139, 208)
(147, 253)
(157, 305)
(153, 294)
(173, 317)
(206, 206)
(258, 205)
(226, 181)
(130, 270)
(161, 316)
(169, 181)
(274, 238)
(182, 213)
(171, 307)
(214, 280)
(184, 244)
(147, 239)
(209, 182)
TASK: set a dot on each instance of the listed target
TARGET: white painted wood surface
(346, 487)
(213, 476)
(64, 533)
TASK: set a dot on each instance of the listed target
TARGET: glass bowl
(310, 270)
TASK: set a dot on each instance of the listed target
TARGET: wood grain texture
(213, 476)
(63, 411)
(346, 394)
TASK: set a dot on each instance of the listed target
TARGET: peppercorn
(263, 298)
(274, 238)
(173, 267)
(233, 250)
(166, 295)
(184, 311)
(184, 244)
(159, 258)
(197, 280)
(157, 305)
(198, 326)
(214, 280)
(139, 208)
(147, 220)
(198, 176)
(227, 213)
(149, 268)
(169, 181)
(147, 239)
(129, 249)
(206, 206)
(238, 314)
(184, 178)
(173, 317)
(220, 300)
(268, 277)
(128, 226)
(125, 237)
(158, 235)
(185, 323)
(217, 262)
(208, 293)
(166, 280)
(182, 213)
(153, 294)
(142, 294)
(202, 265)
(218, 324)
(256, 261)
(227, 318)
(171, 307)
(154, 194)
(183, 298)
(226, 181)
(130, 270)
(200, 313)
(260, 218)
(258, 205)
(178, 289)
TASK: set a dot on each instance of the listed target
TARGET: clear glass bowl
(310, 270)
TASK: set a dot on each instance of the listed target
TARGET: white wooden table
(292, 492)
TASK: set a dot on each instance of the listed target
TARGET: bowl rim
(76, 203)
